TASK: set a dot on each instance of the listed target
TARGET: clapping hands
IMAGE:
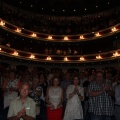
(22, 113)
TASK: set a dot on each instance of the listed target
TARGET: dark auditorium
(59, 59)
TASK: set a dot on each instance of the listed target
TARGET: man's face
(24, 91)
(99, 78)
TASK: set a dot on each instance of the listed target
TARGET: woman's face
(55, 82)
(75, 81)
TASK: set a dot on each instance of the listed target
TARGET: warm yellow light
(15, 53)
(98, 57)
(32, 56)
(2, 23)
(116, 54)
(50, 37)
(97, 34)
(34, 35)
(49, 58)
(65, 59)
(66, 38)
(114, 29)
(82, 58)
(82, 37)
(18, 30)
(0, 49)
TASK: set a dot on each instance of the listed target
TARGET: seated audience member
(117, 101)
(54, 100)
(35, 94)
(75, 95)
(22, 107)
(100, 94)
(10, 88)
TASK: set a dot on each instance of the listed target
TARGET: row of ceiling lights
(49, 58)
(50, 37)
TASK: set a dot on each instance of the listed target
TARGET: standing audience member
(85, 103)
(43, 84)
(64, 84)
(10, 89)
(101, 105)
(22, 107)
(117, 101)
(35, 94)
(75, 95)
(54, 100)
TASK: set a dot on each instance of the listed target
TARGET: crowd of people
(56, 95)
(61, 25)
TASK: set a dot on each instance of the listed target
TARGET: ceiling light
(114, 29)
(66, 38)
(32, 56)
(50, 37)
(2, 23)
(49, 58)
(65, 59)
(15, 53)
(98, 57)
(82, 37)
(34, 35)
(116, 54)
(97, 34)
(18, 30)
(82, 58)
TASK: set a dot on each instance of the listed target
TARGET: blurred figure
(10, 89)
(43, 84)
(35, 94)
(75, 95)
(85, 103)
(117, 100)
(54, 100)
(64, 84)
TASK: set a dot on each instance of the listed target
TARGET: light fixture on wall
(32, 56)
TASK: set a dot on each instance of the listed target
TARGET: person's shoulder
(14, 100)
(31, 100)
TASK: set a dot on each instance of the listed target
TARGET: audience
(92, 99)
(61, 25)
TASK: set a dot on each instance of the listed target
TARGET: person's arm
(13, 118)
(95, 93)
(61, 102)
(26, 117)
(81, 94)
(117, 93)
(47, 97)
(70, 93)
